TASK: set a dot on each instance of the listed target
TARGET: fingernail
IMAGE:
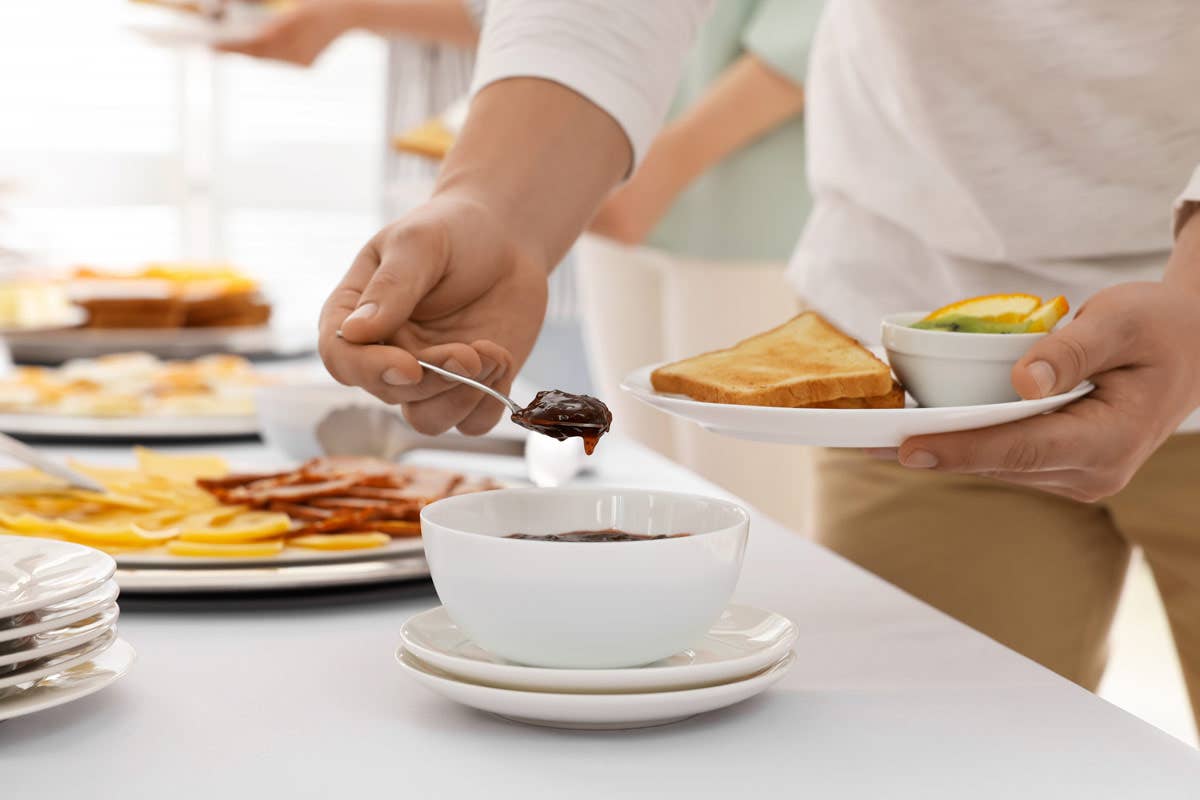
(394, 377)
(458, 369)
(491, 369)
(1043, 375)
(883, 453)
(920, 459)
(363, 311)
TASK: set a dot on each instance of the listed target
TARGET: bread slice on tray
(806, 362)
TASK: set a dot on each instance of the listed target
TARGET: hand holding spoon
(553, 413)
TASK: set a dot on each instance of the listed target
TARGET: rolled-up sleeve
(781, 32)
(623, 55)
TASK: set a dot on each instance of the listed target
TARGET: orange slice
(340, 541)
(248, 527)
(240, 550)
(992, 307)
(1047, 315)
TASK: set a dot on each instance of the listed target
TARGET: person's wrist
(680, 159)
(1183, 266)
(353, 14)
(484, 212)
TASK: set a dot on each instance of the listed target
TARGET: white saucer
(838, 427)
(65, 613)
(73, 683)
(743, 641)
(592, 711)
(35, 573)
(59, 663)
(56, 641)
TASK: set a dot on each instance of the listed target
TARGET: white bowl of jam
(584, 578)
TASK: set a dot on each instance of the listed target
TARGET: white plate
(75, 317)
(66, 638)
(838, 427)
(55, 347)
(743, 641)
(65, 613)
(592, 711)
(71, 684)
(61, 662)
(66, 426)
(264, 579)
(35, 573)
(159, 558)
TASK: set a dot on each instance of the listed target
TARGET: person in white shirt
(955, 149)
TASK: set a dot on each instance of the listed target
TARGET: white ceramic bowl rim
(899, 336)
(736, 514)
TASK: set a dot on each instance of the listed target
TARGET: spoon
(556, 414)
(454, 376)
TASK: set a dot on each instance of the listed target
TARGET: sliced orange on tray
(998, 313)
(179, 547)
(360, 540)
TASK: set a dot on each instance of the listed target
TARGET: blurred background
(123, 144)
(120, 144)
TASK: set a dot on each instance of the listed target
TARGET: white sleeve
(623, 55)
(1187, 203)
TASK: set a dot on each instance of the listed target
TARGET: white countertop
(888, 699)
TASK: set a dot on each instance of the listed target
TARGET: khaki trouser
(1038, 573)
(642, 306)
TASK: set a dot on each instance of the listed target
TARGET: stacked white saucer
(58, 614)
(745, 652)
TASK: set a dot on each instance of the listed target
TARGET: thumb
(1085, 347)
(411, 262)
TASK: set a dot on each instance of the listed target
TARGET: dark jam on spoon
(609, 535)
(560, 415)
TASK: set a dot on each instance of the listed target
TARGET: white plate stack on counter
(58, 615)
(745, 652)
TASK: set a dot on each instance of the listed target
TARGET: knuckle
(1111, 481)
(1073, 354)
(1023, 455)
(385, 280)
(479, 424)
(426, 420)
(427, 234)
(1101, 485)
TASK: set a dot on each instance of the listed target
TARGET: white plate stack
(58, 615)
(743, 654)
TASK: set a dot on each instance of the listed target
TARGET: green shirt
(752, 205)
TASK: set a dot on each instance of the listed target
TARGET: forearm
(1183, 267)
(748, 101)
(446, 21)
(541, 157)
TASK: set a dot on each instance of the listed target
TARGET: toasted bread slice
(893, 399)
(804, 361)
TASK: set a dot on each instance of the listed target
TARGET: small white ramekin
(952, 368)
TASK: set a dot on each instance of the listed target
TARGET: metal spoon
(513, 406)
(454, 376)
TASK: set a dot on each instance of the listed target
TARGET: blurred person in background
(301, 34)
(957, 149)
(713, 212)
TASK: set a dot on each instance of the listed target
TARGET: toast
(804, 362)
(893, 399)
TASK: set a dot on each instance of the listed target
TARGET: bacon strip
(346, 494)
(237, 479)
(299, 511)
(260, 494)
